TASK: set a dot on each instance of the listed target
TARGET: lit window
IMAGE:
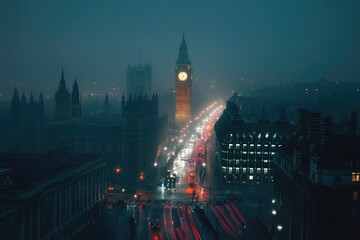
(244, 145)
(230, 146)
(244, 170)
(251, 145)
(258, 145)
(272, 153)
(237, 146)
(266, 170)
(355, 195)
(258, 152)
(244, 152)
(251, 177)
(265, 161)
(251, 171)
(355, 176)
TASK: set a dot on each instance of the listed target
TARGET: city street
(196, 207)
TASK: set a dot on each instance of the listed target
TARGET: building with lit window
(52, 196)
(246, 150)
(317, 181)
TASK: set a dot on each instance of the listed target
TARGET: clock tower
(183, 81)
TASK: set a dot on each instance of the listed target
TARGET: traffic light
(141, 176)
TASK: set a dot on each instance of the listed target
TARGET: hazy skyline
(262, 41)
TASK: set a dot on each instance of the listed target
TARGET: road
(198, 211)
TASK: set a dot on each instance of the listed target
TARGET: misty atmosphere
(162, 119)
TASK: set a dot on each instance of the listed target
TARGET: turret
(15, 106)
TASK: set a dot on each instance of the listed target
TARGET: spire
(62, 83)
(183, 53)
(75, 96)
(183, 46)
(41, 105)
(23, 101)
(31, 101)
(123, 102)
(15, 106)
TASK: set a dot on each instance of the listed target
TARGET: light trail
(226, 218)
(243, 219)
(219, 219)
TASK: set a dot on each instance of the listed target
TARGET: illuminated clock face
(182, 76)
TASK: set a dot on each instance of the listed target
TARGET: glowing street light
(117, 170)
(279, 227)
(155, 164)
(273, 212)
(273, 200)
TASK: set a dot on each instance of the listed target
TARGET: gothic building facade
(139, 80)
(67, 107)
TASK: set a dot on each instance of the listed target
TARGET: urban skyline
(179, 120)
(250, 44)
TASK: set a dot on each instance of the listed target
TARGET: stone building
(52, 196)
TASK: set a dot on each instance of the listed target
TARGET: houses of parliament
(129, 140)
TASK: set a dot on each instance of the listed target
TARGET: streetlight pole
(243, 230)
(279, 228)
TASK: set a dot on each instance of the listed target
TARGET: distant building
(23, 129)
(129, 144)
(139, 128)
(75, 103)
(106, 110)
(62, 100)
(317, 181)
(67, 107)
(139, 80)
(51, 196)
(246, 150)
(129, 141)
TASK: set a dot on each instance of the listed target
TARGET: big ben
(183, 81)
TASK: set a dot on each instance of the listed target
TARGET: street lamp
(279, 228)
(273, 212)
(243, 230)
(123, 192)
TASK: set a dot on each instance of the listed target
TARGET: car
(155, 225)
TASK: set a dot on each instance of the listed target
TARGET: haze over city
(242, 44)
(182, 120)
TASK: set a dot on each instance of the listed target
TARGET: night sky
(235, 43)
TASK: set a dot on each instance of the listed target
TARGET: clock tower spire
(183, 83)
